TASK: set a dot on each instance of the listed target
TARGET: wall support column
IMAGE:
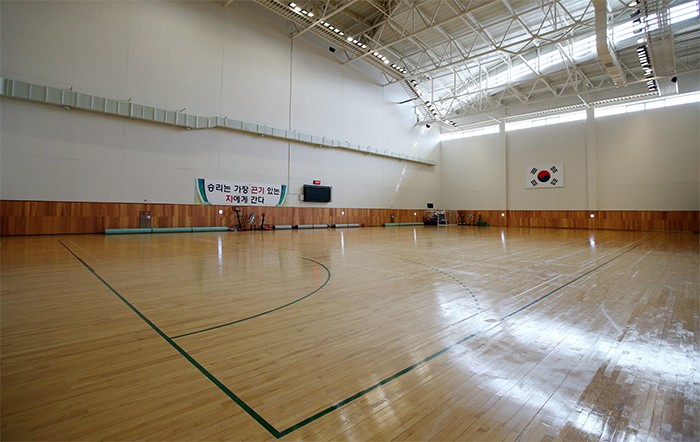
(591, 162)
(503, 152)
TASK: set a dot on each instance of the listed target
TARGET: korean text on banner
(219, 192)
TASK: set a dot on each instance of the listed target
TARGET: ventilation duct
(606, 55)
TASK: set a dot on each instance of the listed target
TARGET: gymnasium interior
(409, 220)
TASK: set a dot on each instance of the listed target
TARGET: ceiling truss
(463, 62)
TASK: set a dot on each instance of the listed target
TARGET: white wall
(474, 173)
(559, 144)
(238, 62)
(647, 160)
(650, 159)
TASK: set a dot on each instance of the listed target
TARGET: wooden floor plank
(364, 334)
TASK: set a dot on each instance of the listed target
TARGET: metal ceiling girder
(425, 48)
(439, 40)
(498, 50)
(538, 76)
(559, 35)
(570, 64)
(480, 32)
(284, 10)
(562, 92)
(449, 40)
(515, 17)
(441, 23)
(373, 25)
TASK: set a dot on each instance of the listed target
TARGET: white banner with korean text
(229, 193)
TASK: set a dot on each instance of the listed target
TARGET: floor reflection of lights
(569, 355)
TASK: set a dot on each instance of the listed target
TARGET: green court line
(346, 401)
(570, 282)
(328, 278)
(278, 434)
(180, 350)
(396, 375)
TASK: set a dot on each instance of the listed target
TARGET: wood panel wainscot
(65, 217)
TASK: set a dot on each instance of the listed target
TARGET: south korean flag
(544, 176)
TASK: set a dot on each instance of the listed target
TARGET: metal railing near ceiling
(70, 99)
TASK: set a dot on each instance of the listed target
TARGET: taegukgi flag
(544, 176)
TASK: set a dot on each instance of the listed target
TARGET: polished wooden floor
(449, 333)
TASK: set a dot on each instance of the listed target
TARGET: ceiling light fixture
(299, 10)
(353, 40)
(386, 60)
(645, 63)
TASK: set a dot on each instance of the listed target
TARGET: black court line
(257, 315)
(435, 269)
(278, 434)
